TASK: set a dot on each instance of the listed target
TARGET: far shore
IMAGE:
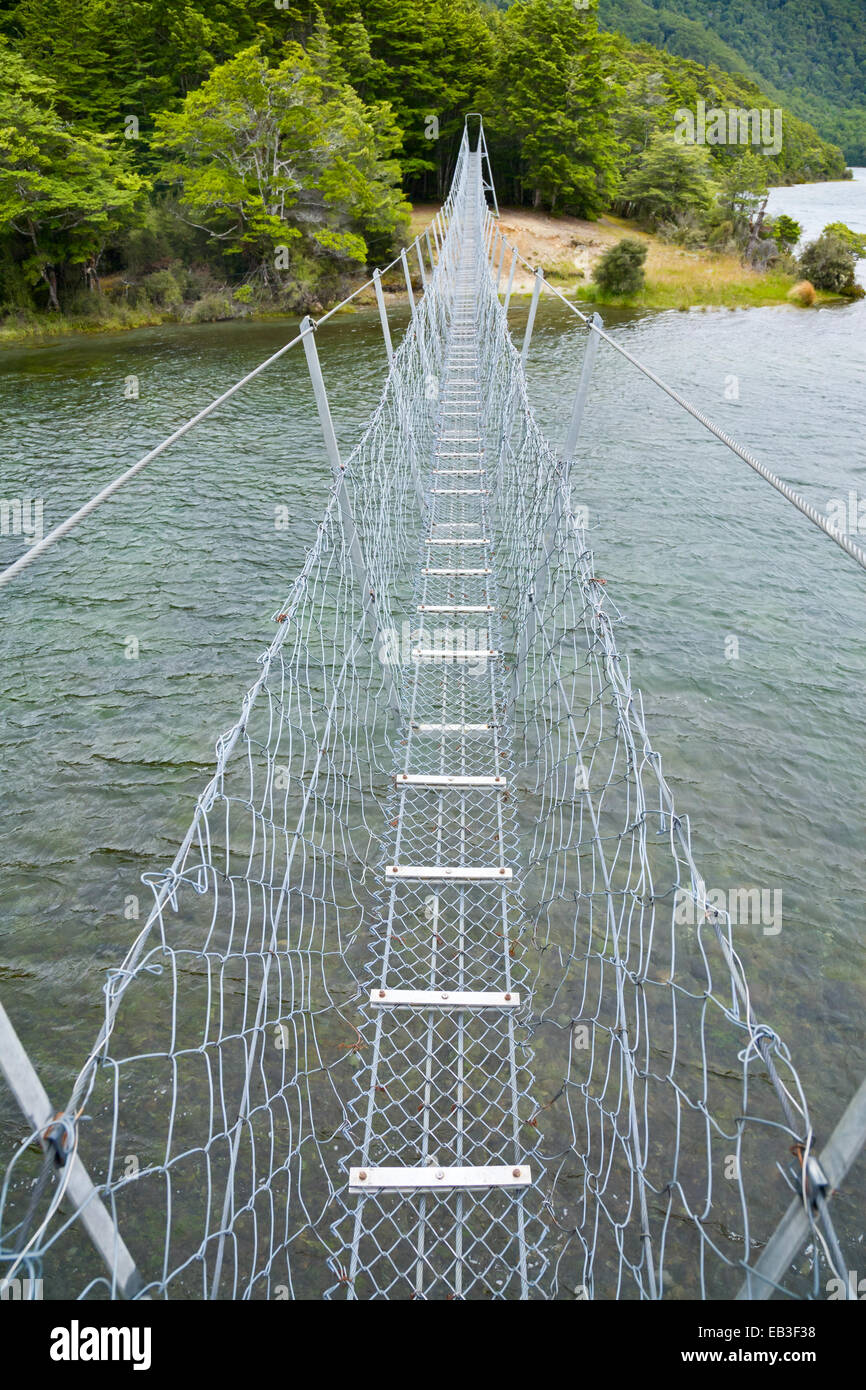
(565, 248)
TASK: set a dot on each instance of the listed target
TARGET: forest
(812, 51)
(230, 154)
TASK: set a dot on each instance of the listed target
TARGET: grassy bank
(566, 248)
(103, 313)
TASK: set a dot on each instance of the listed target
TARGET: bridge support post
(408, 283)
(80, 1193)
(533, 309)
(589, 357)
(383, 315)
(540, 579)
(421, 264)
(510, 280)
(501, 262)
(353, 540)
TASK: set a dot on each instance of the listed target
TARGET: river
(126, 649)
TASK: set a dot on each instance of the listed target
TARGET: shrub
(829, 264)
(162, 288)
(210, 308)
(620, 269)
(855, 241)
(802, 293)
(785, 231)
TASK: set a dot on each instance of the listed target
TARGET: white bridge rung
(455, 607)
(453, 728)
(458, 472)
(445, 779)
(459, 492)
(457, 540)
(443, 999)
(429, 1179)
(428, 570)
(435, 873)
(453, 654)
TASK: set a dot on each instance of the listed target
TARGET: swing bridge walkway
(411, 1016)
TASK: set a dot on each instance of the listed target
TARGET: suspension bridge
(411, 1015)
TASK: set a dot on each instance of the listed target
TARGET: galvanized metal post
(838, 1154)
(421, 264)
(383, 315)
(589, 356)
(510, 280)
(430, 250)
(408, 282)
(501, 261)
(533, 309)
(539, 583)
(362, 576)
(79, 1192)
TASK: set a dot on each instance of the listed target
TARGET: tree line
(185, 151)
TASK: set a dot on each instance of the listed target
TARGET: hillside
(198, 161)
(808, 55)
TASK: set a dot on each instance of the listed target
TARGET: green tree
(427, 59)
(786, 231)
(829, 263)
(283, 158)
(855, 241)
(620, 270)
(63, 191)
(743, 188)
(671, 179)
(552, 108)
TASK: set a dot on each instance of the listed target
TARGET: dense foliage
(829, 264)
(166, 151)
(813, 51)
(620, 270)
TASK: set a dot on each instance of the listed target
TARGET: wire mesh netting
(441, 783)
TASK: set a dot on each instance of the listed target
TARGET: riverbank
(566, 248)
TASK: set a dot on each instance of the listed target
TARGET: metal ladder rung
(457, 540)
(443, 999)
(431, 1178)
(455, 608)
(453, 654)
(438, 873)
(429, 570)
(460, 492)
(459, 472)
(447, 779)
(453, 728)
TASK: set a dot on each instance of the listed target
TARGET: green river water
(103, 756)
